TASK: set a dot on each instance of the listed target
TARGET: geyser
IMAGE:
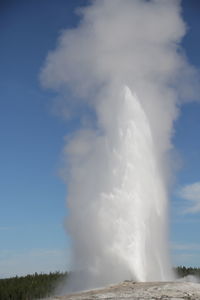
(123, 62)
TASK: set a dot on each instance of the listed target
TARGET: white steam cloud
(123, 61)
(191, 192)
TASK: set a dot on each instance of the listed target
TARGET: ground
(148, 290)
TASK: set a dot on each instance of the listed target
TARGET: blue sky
(32, 194)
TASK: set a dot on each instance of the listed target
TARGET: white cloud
(183, 247)
(186, 254)
(185, 259)
(31, 261)
(191, 193)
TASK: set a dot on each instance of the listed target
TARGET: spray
(122, 62)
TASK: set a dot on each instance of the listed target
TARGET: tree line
(182, 271)
(30, 287)
(38, 286)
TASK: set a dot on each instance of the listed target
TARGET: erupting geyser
(123, 197)
(124, 63)
(134, 206)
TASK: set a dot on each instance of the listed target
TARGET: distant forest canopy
(38, 286)
(182, 271)
(30, 287)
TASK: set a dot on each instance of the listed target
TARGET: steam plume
(124, 62)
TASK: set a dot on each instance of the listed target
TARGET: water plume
(125, 64)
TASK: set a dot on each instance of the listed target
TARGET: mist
(124, 64)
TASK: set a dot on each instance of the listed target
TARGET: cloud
(182, 247)
(36, 260)
(191, 192)
(186, 254)
(186, 259)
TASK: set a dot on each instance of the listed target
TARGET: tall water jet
(123, 62)
(122, 195)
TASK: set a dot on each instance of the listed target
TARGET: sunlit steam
(124, 63)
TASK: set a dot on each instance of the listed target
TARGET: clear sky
(32, 194)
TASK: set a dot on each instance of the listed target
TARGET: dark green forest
(39, 286)
(29, 287)
(182, 271)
